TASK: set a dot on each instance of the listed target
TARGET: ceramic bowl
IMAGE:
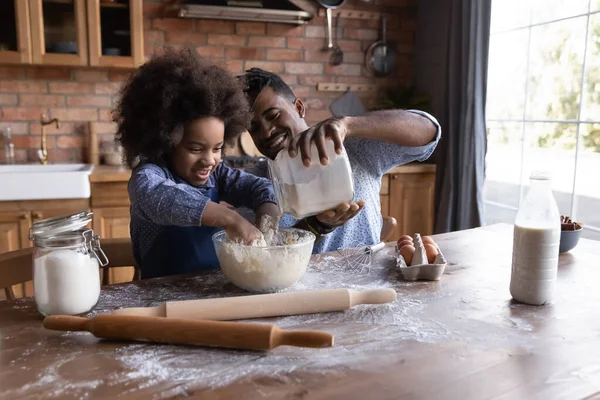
(265, 269)
(64, 48)
(111, 51)
(569, 239)
(113, 158)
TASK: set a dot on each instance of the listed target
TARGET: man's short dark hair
(258, 79)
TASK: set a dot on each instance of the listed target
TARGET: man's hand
(341, 214)
(333, 129)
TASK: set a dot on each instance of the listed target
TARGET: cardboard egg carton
(420, 269)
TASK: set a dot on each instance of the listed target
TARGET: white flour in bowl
(266, 266)
(66, 282)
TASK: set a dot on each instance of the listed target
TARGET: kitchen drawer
(412, 198)
(110, 194)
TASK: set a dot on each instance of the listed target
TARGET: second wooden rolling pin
(179, 331)
(265, 305)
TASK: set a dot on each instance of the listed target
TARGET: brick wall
(78, 95)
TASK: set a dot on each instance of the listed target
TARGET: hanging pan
(380, 58)
(337, 55)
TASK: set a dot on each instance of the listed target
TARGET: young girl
(174, 115)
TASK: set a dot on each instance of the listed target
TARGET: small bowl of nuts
(570, 232)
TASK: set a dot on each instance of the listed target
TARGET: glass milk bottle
(535, 244)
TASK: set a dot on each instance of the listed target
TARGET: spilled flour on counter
(364, 336)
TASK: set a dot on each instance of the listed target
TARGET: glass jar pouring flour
(66, 260)
(302, 191)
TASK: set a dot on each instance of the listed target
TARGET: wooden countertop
(412, 168)
(109, 173)
(459, 338)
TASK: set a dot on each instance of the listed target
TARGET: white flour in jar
(322, 194)
(66, 282)
(308, 191)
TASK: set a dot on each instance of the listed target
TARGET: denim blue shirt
(369, 159)
(166, 232)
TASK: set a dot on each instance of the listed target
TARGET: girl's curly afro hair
(165, 94)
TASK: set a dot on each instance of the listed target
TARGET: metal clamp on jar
(66, 261)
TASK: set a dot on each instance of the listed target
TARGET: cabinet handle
(24, 216)
(38, 215)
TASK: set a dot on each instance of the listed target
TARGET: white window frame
(523, 121)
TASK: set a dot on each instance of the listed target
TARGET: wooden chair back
(388, 229)
(16, 266)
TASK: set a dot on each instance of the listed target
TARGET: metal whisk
(360, 257)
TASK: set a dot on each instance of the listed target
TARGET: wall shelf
(352, 14)
(342, 87)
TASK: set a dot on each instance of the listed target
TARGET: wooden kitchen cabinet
(110, 205)
(15, 32)
(58, 32)
(14, 230)
(72, 33)
(17, 217)
(116, 33)
(109, 223)
(408, 194)
(110, 220)
(14, 235)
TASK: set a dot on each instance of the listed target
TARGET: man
(375, 143)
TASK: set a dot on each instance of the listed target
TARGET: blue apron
(182, 249)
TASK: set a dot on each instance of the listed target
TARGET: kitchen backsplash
(78, 95)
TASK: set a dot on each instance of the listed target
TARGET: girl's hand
(243, 231)
(264, 209)
(332, 129)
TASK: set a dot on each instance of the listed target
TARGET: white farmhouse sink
(40, 182)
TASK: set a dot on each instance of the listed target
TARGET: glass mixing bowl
(265, 269)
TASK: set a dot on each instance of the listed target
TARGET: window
(543, 107)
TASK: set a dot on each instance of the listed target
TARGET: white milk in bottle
(535, 244)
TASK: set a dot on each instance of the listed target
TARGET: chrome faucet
(43, 152)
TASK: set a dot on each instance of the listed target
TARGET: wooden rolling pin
(265, 305)
(179, 331)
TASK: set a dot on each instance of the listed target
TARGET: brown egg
(405, 243)
(407, 253)
(405, 237)
(431, 252)
(428, 240)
